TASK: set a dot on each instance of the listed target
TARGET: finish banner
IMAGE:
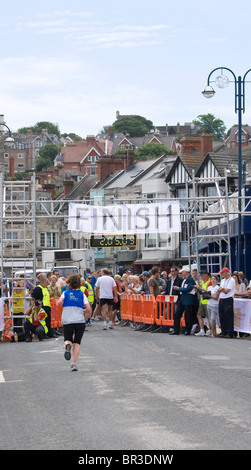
(159, 217)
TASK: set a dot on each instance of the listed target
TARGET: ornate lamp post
(222, 81)
(4, 141)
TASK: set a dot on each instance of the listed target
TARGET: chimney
(190, 144)
(50, 188)
(128, 159)
(106, 164)
(206, 144)
(91, 139)
(67, 185)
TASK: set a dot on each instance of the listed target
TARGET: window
(6, 155)
(75, 244)
(243, 138)
(20, 165)
(44, 206)
(160, 240)
(39, 143)
(20, 155)
(93, 170)
(150, 240)
(11, 235)
(48, 239)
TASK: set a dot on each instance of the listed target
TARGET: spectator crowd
(207, 305)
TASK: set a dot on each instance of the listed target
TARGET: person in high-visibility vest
(87, 289)
(41, 294)
(36, 323)
(90, 290)
(202, 310)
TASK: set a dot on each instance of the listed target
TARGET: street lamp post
(8, 141)
(222, 81)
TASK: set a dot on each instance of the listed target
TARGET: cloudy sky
(76, 63)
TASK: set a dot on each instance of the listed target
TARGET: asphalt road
(133, 390)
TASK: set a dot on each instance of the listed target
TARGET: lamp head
(9, 141)
(208, 92)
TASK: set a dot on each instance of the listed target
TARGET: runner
(76, 310)
(106, 294)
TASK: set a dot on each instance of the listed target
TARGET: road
(133, 390)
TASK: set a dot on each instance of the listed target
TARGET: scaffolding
(209, 221)
(17, 215)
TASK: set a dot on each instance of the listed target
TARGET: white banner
(160, 217)
(242, 315)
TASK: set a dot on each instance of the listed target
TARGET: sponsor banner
(242, 315)
(160, 217)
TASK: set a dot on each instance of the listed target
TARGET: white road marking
(2, 379)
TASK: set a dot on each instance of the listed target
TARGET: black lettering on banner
(144, 217)
(116, 222)
(79, 217)
(167, 215)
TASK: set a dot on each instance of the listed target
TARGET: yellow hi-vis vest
(42, 322)
(90, 297)
(204, 286)
(17, 302)
(46, 296)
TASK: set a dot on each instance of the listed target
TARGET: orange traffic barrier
(137, 301)
(53, 313)
(123, 306)
(182, 321)
(7, 332)
(129, 307)
(165, 309)
(149, 309)
(59, 311)
(146, 309)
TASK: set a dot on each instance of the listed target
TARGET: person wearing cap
(145, 287)
(187, 298)
(226, 304)
(202, 310)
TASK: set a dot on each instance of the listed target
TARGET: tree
(152, 150)
(209, 124)
(39, 126)
(73, 136)
(47, 155)
(134, 125)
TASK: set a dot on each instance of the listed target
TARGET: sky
(76, 63)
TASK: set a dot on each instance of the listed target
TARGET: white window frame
(48, 239)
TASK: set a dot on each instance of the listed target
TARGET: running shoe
(67, 353)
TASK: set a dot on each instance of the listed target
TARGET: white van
(29, 274)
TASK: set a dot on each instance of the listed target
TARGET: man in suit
(187, 299)
(172, 281)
